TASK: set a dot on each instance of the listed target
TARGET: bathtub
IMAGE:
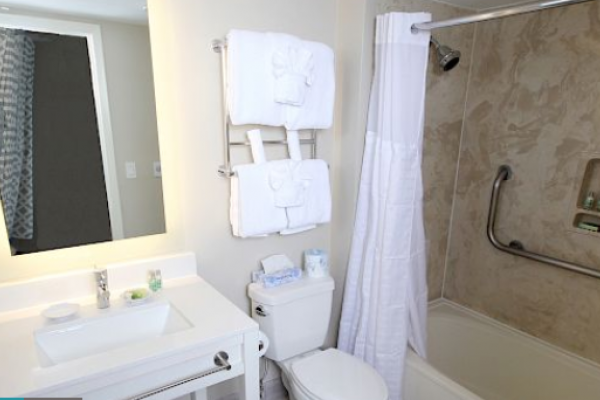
(472, 357)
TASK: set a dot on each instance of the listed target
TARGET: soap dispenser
(589, 201)
(152, 280)
(155, 280)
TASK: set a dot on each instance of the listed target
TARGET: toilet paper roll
(263, 344)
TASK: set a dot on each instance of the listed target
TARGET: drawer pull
(221, 360)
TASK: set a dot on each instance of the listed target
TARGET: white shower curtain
(385, 300)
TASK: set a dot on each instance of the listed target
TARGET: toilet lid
(334, 375)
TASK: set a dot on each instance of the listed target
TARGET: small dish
(61, 312)
(136, 296)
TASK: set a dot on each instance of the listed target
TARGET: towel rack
(226, 170)
(515, 247)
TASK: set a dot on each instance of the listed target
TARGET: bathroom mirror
(79, 154)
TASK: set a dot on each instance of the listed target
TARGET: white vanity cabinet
(114, 354)
(171, 377)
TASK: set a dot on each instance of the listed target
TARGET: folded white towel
(250, 80)
(293, 70)
(317, 110)
(317, 206)
(289, 183)
(253, 211)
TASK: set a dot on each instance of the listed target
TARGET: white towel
(293, 144)
(257, 147)
(250, 89)
(289, 183)
(317, 207)
(293, 67)
(317, 110)
(253, 211)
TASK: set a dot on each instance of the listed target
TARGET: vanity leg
(251, 389)
(199, 395)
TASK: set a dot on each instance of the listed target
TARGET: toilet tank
(295, 317)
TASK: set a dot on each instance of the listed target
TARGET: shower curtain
(385, 299)
(16, 131)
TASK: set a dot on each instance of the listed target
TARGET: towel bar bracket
(226, 170)
(517, 248)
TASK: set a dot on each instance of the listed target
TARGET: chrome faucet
(102, 292)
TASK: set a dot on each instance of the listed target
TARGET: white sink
(107, 330)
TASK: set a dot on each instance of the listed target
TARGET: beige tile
(532, 103)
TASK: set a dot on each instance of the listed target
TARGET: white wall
(355, 24)
(182, 33)
(189, 81)
(191, 145)
(189, 113)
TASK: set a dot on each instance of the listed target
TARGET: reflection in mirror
(79, 157)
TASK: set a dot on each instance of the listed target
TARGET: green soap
(138, 294)
(588, 227)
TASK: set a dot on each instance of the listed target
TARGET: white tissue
(276, 263)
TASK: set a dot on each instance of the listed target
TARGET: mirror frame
(27, 266)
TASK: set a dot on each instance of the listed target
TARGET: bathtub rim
(480, 317)
(422, 367)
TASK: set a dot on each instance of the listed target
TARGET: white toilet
(295, 318)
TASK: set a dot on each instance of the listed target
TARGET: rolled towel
(293, 143)
(257, 146)
(293, 68)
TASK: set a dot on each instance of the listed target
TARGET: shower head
(447, 58)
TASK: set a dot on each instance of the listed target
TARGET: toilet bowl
(295, 318)
(331, 375)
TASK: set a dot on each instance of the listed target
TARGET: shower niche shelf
(589, 171)
(587, 218)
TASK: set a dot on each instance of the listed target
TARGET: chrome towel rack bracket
(517, 248)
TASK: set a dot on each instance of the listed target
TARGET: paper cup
(316, 263)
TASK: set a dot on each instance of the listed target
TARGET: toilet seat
(334, 375)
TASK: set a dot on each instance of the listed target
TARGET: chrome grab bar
(221, 361)
(515, 247)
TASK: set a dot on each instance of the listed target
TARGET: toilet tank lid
(290, 292)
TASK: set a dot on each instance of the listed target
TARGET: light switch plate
(130, 170)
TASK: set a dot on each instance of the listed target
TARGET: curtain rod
(495, 14)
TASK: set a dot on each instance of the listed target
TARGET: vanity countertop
(213, 321)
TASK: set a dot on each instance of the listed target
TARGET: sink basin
(107, 330)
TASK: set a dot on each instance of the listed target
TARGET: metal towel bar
(221, 360)
(515, 247)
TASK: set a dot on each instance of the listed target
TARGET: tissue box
(278, 278)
